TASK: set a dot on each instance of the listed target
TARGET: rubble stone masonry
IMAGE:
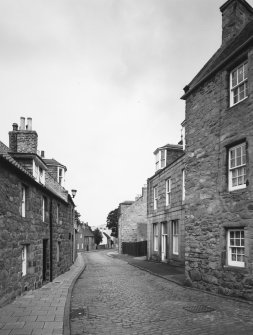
(211, 128)
(17, 231)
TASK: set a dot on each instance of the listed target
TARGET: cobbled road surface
(113, 297)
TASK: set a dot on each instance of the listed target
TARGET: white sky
(102, 81)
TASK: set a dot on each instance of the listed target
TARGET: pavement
(44, 311)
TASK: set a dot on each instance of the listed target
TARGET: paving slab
(42, 311)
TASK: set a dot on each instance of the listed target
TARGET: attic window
(160, 161)
(239, 84)
(60, 176)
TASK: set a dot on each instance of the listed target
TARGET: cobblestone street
(113, 297)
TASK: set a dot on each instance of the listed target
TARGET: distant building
(219, 162)
(132, 224)
(85, 239)
(36, 217)
(165, 206)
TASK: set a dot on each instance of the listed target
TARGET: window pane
(245, 70)
(237, 234)
(234, 78)
(240, 74)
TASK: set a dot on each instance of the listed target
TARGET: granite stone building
(133, 220)
(165, 206)
(85, 240)
(219, 162)
(36, 217)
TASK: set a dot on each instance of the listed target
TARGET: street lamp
(73, 193)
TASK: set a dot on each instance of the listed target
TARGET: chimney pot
(22, 123)
(15, 126)
(42, 154)
(29, 123)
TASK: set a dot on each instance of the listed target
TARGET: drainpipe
(51, 240)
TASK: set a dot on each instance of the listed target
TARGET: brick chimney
(24, 140)
(235, 15)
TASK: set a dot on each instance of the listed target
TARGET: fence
(135, 248)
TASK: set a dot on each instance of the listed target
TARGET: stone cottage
(85, 240)
(36, 217)
(133, 220)
(165, 206)
(219, 161)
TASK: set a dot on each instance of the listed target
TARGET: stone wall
(165, 214)
(16, 231)
(211, 127)
(133, 221)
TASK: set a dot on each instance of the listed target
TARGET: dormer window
(160, 159)
(61, 176)
(38, 173)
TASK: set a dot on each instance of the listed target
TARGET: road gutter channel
(66, 316)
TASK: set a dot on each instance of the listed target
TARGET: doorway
(164, 241)
(44, 260)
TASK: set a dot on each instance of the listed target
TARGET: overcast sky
(102, 81)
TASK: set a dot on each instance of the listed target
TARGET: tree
(77, 218)
(98, 237)
(112, 222)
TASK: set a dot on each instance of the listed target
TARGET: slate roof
(222, 55)
(52, 161)
(5, 156)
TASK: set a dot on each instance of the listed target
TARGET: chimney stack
(235, 15)
(24, 140)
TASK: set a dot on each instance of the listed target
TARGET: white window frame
(168, 192)
(82, 245)
(155, 236)
(58, 252)
(61, 176)
(155, 193)
(44, 209)
(23, 201)
(175, 237)
(161, 159)
(237, 168)
(236, 247)
(183, 185)
(240, 87)
(57, 213)
(24, 259)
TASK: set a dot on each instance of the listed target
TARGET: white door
(164, 241)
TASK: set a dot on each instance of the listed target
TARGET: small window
(236, 247)
(183, 185)
(24, 259)
(155, 230)
(239, 84)
(77, 246)
(82, 245)
(237, 167)
(23, 201)
(81, 235)
(57, 213)
(58, 252)
(168, 192)
(155, 190)
(175, 236)
(44, 208)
